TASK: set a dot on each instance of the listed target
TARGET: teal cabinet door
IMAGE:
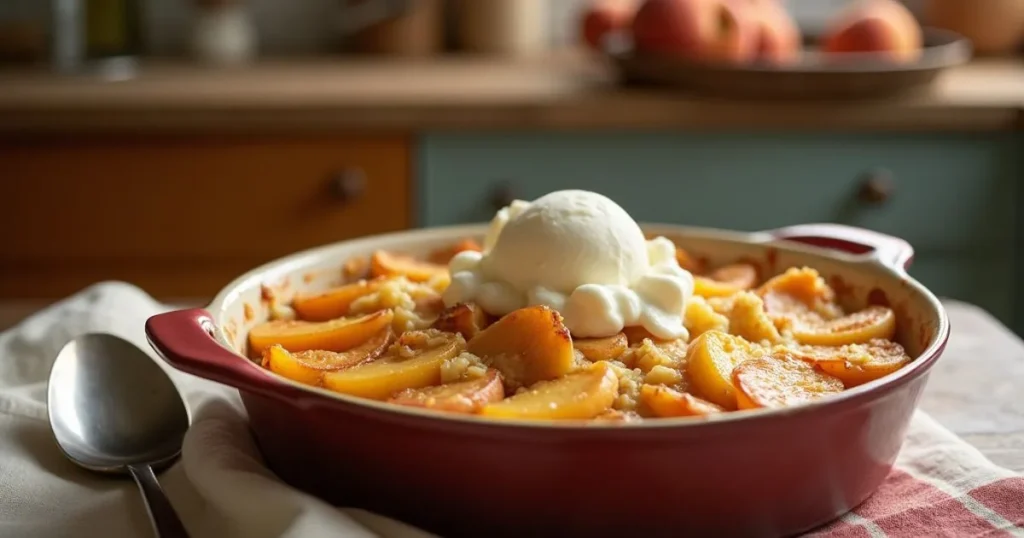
(947, 192)
(953, 196)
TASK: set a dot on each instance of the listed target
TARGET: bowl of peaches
(755, 48)
(564, 370)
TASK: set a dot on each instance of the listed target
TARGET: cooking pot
(747, 473)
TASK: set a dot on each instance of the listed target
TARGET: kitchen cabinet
(182, 216)
(954, 197)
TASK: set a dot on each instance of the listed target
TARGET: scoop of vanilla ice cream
(581, 254)
(499, 221)
(564, 240)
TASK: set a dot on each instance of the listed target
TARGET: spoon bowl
(113, 409)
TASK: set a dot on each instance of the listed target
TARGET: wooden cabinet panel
(179, 215)
(198, 198)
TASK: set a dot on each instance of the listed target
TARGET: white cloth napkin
(219, 487)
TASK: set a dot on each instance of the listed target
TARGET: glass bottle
(113, 28)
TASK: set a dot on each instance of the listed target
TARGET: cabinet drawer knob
(502, 196)
(348, 184)
(876, 186)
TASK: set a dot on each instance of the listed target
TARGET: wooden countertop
(562, 92)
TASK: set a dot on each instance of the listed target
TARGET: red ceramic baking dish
(749, 473)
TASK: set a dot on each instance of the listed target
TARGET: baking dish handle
(890, 251)
(184, 338)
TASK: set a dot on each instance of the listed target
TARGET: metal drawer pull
(348, 184)
(502, 196)
(876, 186)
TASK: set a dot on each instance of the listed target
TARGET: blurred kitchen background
(317, 26)
(177, 143)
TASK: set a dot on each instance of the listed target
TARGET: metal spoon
(114, 410)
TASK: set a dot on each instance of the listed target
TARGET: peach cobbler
(566, 310)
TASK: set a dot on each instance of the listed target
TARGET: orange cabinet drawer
(190, 203)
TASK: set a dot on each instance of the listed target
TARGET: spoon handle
(161, 512)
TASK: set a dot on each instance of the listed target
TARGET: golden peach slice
(309, 366)
(635, 335)
(528, 345)
(334, 302)
(581, 395)
(383, 263)
(688, 261)
(665, 402)
(739, 275)
(465, 319)
(710, 361)
(459, 397)
(856, 364)
(874, 322)
(799, 286)
(780, 380)
(339, 334)
(708, 288)
(601, 349)
(382, 378)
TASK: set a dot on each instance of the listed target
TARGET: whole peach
(711, 30)
(884, 27)
(603, 17)
(778, 37)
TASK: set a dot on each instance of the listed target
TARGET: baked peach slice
(874, 322)
(635, 335)
(780, 380)
(581, 395)
(709, 287)
(601, 349)
(384, 377)
(464, 318)
(665, 402)
(797, 291)
(339, 334)
(309, 366)
(335, 302)
(856, 364)
(739, 275)
(528, 345)
(459, 397)
(688, 261)
(710, 360)
(384, 263)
